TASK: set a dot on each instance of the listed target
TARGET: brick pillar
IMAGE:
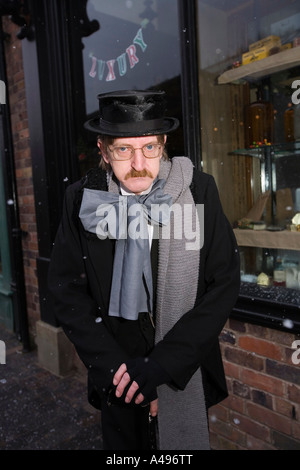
(23, 166)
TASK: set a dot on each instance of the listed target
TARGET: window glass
(135, 46)
(249, 79)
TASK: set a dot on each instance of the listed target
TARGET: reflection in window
(135, 47)
(249, 60)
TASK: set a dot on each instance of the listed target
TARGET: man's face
(137, 174)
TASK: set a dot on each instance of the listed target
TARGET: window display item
(279, 274)
(269, 41)
(256, 54)
(263, 279)
(297, 122)
(289, 124)
(261, 49)
(259, 121)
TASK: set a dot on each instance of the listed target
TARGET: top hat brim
(134, 129)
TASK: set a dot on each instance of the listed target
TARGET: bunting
(109, 70)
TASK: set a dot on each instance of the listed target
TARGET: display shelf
(279, 150)
(260, 68)
(278, 294)
(268, 155)
(283, 239)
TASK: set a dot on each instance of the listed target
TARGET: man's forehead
(135, 140)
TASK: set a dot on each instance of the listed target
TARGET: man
(144, 280)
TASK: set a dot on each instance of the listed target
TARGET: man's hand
(138, 378)
(121, 380)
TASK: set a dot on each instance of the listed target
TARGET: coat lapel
(99, 253)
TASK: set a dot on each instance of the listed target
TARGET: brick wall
(262, 411)
(23, 166)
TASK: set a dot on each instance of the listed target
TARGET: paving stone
(39, 411)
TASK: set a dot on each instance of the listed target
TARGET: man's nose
(138, 160)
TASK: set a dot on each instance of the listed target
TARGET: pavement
(39, 411)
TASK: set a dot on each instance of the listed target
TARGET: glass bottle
(289, 123)
(279, 275)
(297, 121)
(259, 122)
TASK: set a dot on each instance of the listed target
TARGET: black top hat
(132, 114)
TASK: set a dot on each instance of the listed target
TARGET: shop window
(134, 45)
(249, 70)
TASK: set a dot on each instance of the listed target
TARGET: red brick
(281, 337)
(236, 325)
(231, 370)
(285, 372)
(257, 330)
(24, 133)
(263, 382)
(261, 347)
(251, 427)
(296, 430)
(28, 199)
(230, 432)
(227, 336)
(269, 418)
(240, 389)
(234, 403)
(262, 398)
(221, 443)
(33, 246)
(257, 444)
(243, 358)
(283, 442)
(284, 407)
(218, 412)
(293, 392)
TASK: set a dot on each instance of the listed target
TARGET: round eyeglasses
(126, 152)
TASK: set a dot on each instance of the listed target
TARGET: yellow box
(288, 45)
(269, 41)
(254, 55)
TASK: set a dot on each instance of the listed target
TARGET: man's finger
(139, 399)
(154, 407)
(131, 392)
(125, 380)
(119, 374)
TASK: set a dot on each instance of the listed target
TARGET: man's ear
(102, 150)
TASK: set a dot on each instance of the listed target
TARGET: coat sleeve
(188, 344)
(75, 309)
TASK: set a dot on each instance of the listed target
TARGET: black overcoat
(80, 276)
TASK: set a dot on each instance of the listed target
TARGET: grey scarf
(182, 418)
(125, 219)
(181, 414)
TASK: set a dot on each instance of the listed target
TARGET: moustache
(138, 174)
